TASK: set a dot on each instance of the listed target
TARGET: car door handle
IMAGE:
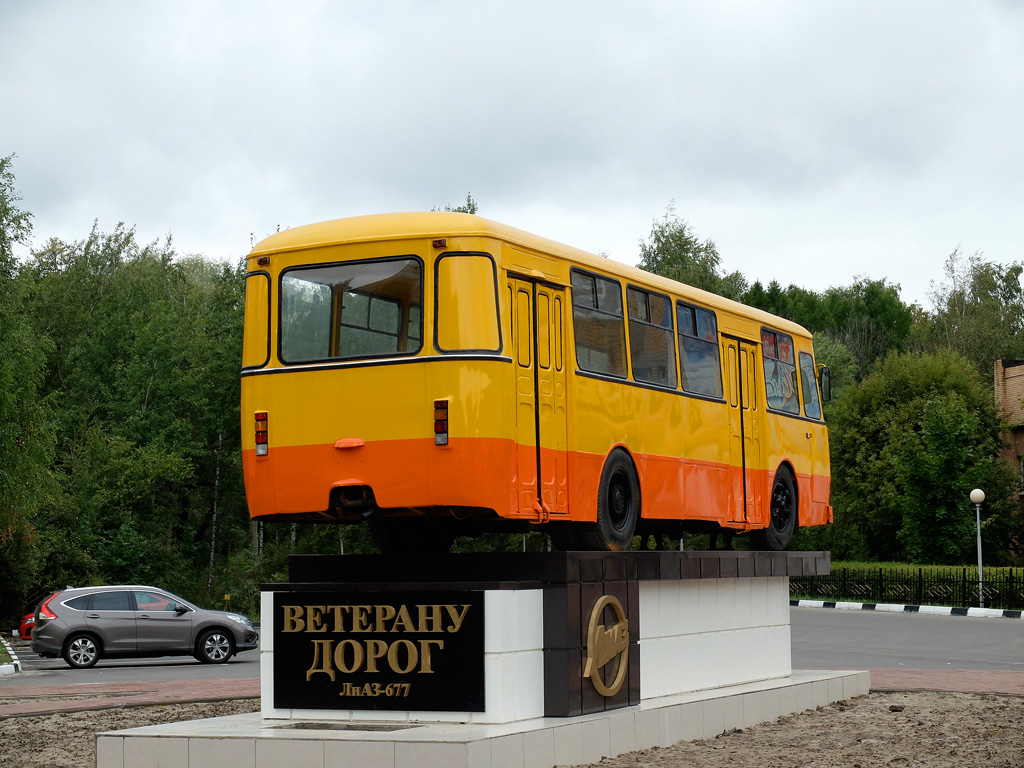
(144, 616)
(92, 615)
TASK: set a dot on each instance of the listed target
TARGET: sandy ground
(901, 730)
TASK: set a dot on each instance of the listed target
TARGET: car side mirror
(180, 610)
(825, 382)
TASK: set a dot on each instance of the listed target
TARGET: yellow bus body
(499, 355)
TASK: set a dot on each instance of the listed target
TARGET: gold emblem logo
(606, 644)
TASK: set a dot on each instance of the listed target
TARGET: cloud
(812, 141)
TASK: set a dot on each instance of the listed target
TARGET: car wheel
(215, 647)
(81, 652)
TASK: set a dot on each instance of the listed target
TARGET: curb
(935, 610)
(15, 665)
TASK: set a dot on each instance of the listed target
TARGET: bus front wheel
(783, 514)
(618, 507)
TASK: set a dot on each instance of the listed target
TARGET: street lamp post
(978, 496)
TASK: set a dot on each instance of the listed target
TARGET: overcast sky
(812, 141)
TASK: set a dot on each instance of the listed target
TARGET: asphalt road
(39, 671)
(822, 638)
(827, 638)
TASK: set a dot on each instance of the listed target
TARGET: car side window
(111, 601)
(79, 603)
(154, 601)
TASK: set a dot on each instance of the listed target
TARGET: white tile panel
(622, 731)
(274, 753)
(651, 666)
(596, 740)
(529, 674)
(568, 741)
(110, 752)
(539, 748)
(508, 751)
(650, 609)
(267, 621)
(759, 602)
(358, 754)
(648, 728)
(499, 621)
(151, 752)
(529, 619)
(222, 753)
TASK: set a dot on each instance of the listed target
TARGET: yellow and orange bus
(439, 373)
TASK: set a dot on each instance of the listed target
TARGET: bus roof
(432, 224)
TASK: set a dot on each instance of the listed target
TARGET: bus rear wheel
(618, 507)
(783, 514)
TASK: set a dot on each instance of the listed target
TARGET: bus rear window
(351, 311)
(466, 301)
(256, 340)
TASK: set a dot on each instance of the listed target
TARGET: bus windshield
(352, 310)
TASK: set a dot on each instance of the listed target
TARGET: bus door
(537, 312)
(745, 416)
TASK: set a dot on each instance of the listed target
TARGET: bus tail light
(262, 446)
(440, 422)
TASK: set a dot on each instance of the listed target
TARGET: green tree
(470, 206)
(143, 377)
(978, 311)
(908, 444)
(674, 251)
(867, 317)
(793, 303)
(25, 436)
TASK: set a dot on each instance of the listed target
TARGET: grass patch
(5, 657)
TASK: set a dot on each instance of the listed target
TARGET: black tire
(412, 535)
(618, 507)
(81, 651)
(783, 514)
(215, 646)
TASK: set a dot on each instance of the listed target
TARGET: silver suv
(82, 625)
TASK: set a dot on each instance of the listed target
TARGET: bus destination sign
(414, 651)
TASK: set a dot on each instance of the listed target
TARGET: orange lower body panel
(494, 474)
(402, 474)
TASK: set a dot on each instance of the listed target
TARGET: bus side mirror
(825, 382)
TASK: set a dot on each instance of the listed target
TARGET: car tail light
(44, 609)
(262, 444)
(440, 422)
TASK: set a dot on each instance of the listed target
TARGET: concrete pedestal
(581, 655)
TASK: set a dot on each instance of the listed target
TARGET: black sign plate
(379, 651)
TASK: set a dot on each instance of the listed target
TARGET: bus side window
(558, 333)
(543, 331)
(779, 371)
(812, 407)
(367, 325)
(598, 324)
(651, 350)
(698, 351)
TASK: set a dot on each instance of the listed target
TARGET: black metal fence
(955, 587)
